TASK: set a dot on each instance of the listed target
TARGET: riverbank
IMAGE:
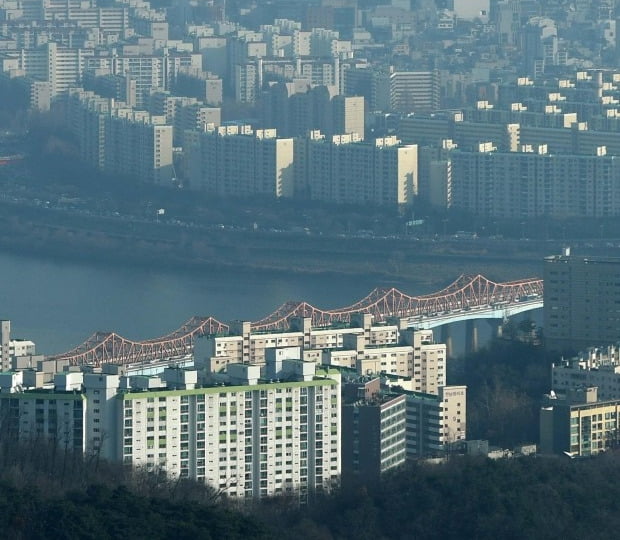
(116, 240)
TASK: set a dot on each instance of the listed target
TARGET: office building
(582, 295)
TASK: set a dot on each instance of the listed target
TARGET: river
(58, 304)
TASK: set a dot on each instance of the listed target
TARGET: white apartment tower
(244, 435)
(347, 170)
(235, 160)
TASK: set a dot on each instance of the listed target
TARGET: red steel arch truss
(109, 347)
(465, 293)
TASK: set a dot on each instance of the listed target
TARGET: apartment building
(250, 73)
(344, 169)
(60, 66)
(118, 139)
(435, 422)
(509, 130)
(12, 348)
(236, 160)
(578, 424)
(245, 436)
(582, 299)
(138, 145)
(296, 108)
(183, 113)
(361, 346)
(57, 415)
(5, 345)
(533, 183)
(373, 431)
(414, 91)
(151, 72)
(245, 346)
(597, 366)
(204, 86)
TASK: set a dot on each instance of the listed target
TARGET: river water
(58, 304)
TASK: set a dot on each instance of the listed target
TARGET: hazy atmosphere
(320, 269)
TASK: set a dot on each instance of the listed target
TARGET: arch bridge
(469, 297)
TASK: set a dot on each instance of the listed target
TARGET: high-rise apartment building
(244, 435)
(373, 430)
(58, 417)
(345, 169)
(414, 91)
(119, 139)
(435, 422)
(10, 349)
(151, 72)
(138, 145)
(578, 424)
(348, 114)
(582, 299)
(236, 160)
(60, 66)
(296, 108)
(541, 46)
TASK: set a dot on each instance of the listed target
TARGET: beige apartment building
(345, 169)
(579, 425)
(120, 140)
(529, 182)
(366, 348)
(236, 160)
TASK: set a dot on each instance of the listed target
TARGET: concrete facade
(581, 300)
(245, 436)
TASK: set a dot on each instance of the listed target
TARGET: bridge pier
(446, 337)
(496, 327)
(471, 336)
